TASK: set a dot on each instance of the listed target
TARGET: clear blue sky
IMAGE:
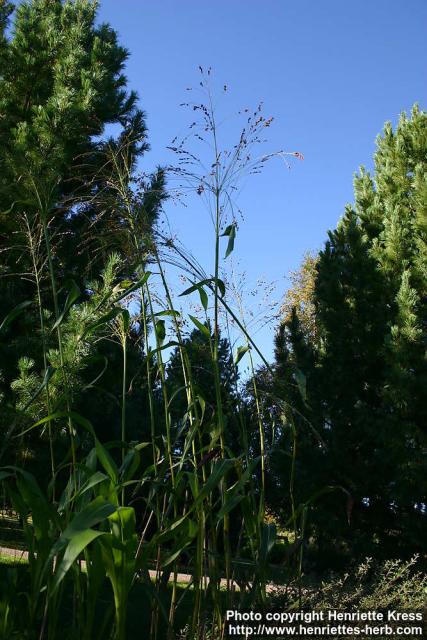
(331, 72)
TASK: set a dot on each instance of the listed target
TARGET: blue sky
(330, 72)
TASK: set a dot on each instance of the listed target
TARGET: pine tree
(368, 368)
(61, 83)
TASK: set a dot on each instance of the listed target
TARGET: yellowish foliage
(300, 295)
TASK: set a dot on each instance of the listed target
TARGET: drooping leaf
(268, 538)
(103, 320)
(16, 311)
(107, 461)
(95, 512)
(91, 482)
(76, 545)
(195, 287)
(203, 298)
(130, 464)
(50, 418)
(99, 375)
(168, 312)
(201, 327)
(134, 287)
(73, 295)
(173, 528)
(210, 282)
(240, 353)
(153, 352)
(219, 470)
(175, 554)
(160, 330)
(230, 503)
(231, 233)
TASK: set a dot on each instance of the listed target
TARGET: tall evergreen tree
(366, 368)
(61, 83)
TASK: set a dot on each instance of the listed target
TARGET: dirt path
(16, 554)
(21, 556)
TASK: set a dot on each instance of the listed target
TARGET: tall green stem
(194, 416)
(123, 417)
(226, 528)
(43, 215)
(44, 346)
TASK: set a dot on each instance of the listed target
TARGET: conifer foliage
(365, 370)
(62, 83)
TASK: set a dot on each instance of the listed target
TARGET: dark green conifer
(366, 379)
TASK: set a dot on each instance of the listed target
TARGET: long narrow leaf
(77, 544)
(201, 327)
(14, 314)
(72, 296)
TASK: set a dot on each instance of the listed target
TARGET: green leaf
(73, 415)
(130, 464)
(103, 320)
(203, 298)
(124, 284)
(142, 445)
(96, 359)
(134, 287)
(230, 503)
(94, 513)
(220, 284)
(251, 520)
(219, 470)
(209, 282)
(195, 287)
(160, 330)
(107, 461)
(68, 494)
(77, 544)
(228, 230)
(268, 538)
(16, 311)
(240, 353)
(119, 554)
(72, 296)
(168, 312)
(201, 327)
(202, 403)
(174, 528)
(52, 416)
(82, 421)
(102, 453)
(231, 233)
(91, 482)
(152, 352)
(123, 524)
(169, 559)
